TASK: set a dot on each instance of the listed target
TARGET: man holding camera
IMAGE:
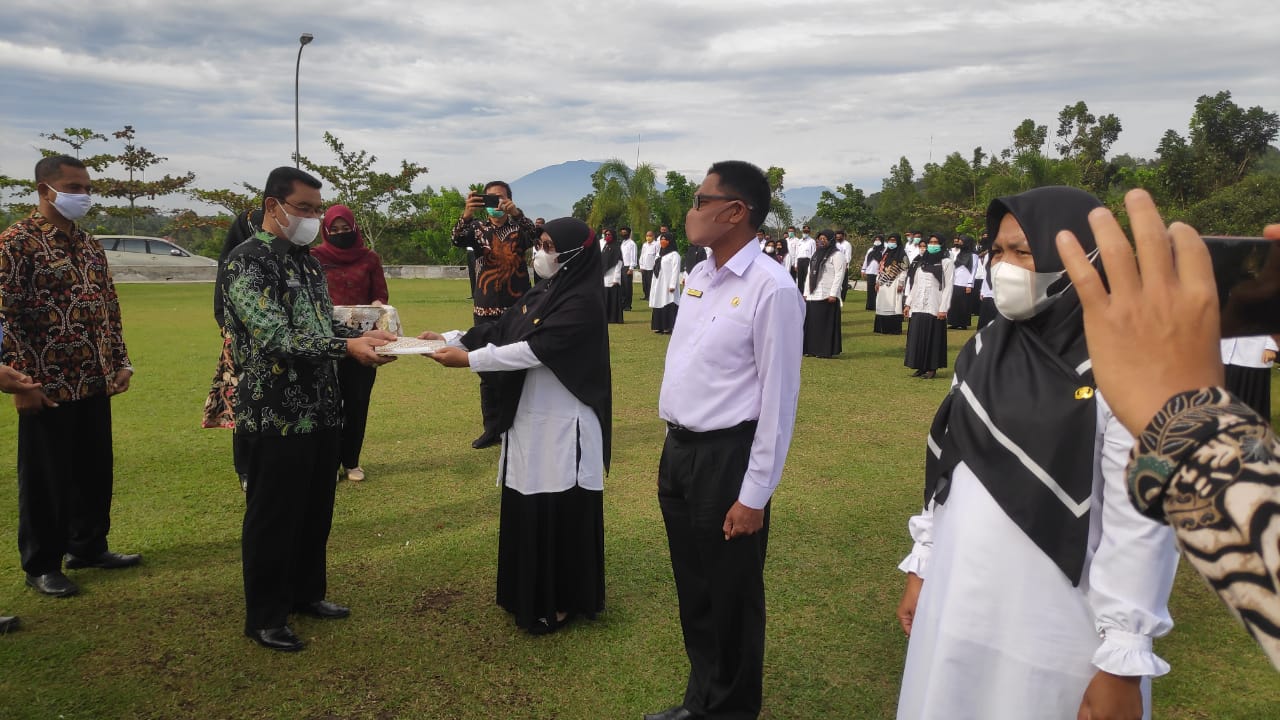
(501, 235)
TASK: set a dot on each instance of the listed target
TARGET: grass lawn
(413, 552)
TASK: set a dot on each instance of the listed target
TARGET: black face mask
(342, 240)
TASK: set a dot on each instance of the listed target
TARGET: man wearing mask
(648, 258)
(51, 270)
(806, 246)
(501, 236)
(285, 342)
(789, 243)
(628, 247)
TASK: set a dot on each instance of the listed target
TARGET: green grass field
(413, 552)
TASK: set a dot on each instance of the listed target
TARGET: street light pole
(297, 71)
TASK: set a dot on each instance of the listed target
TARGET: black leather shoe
(486, 440)
(106, 561)
(324, 610)
(679, 712)
(281, 638)
(55, 584)
(7, 624)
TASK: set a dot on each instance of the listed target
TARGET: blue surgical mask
(934, 249)
(892, 246)
(494, 212)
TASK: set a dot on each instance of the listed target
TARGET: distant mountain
(804, 201)
(550, 192)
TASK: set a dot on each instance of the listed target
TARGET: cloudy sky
(833, 90)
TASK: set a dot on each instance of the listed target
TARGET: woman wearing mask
(982, 286)
(928, 296)
(548, 356)
(890, 287)
(959, 314)
(822, 284)
(664, 296)
(611, 262)
(871, 269)
(1034, 587)
(354, 275)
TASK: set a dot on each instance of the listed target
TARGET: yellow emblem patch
(735, 302)
(693, 293)
(1084, 393)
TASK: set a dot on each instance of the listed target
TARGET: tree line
(1222, 175)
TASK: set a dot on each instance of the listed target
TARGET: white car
(140, 250)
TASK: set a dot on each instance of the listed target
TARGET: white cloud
(833, 90)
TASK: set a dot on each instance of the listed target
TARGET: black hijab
(611, 254)
(931, 262)
(562, 318)
(965, 257)
(1022, 413)
(671, 244)
(876, 252)
(692, 256)
(820, 256)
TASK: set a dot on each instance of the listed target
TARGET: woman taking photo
(1034, 587)
(925, 307)
(548, 357)
(822, 285)
(354, 275)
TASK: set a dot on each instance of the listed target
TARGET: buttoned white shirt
(734, 356)
(629, 253)
(806, 247)
(648, 255)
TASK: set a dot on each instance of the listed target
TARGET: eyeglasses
(700, 200)
(306, 210)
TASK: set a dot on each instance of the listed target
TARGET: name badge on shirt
(693, 293)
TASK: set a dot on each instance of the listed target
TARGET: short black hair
(501, 184)
(748, 182)
(280, 183)
(624, 227)
(50, 168)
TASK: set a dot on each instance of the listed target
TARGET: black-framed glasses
(699, 200)
(307, 210)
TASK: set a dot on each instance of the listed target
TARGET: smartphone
(491, 200)
(1247, 273)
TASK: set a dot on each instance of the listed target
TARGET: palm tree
(623, 196)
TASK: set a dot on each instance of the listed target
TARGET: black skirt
(959, 315)
(871, 293)
(664, 318)
(986, 312)
(975, 299)
(551, 554)
(888, 324)
(1253, 386)
(926, 342)
(822, 328)
(613, 304)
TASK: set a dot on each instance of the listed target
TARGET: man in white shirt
(729, 394)
(648, 258)
(806, 246)
(628, 266)
(846, 249)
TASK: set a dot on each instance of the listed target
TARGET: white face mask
(1020, 293)
(71, 207)
(300, 231)
(545, 263)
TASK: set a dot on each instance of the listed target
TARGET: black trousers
(628, 287)
(64, 483)
(802, 271)
(355, 381)
(646, 281)
(471, 270)
(287, 515)
(720, 583)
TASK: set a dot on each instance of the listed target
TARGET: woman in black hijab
(548, 358)
(664, 293)
(960, 314)
(889, 287)
(1034, 582)
(822, 285)
(611, 265)
(871, 268)
(928, 297)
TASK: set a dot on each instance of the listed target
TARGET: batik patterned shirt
(59, 308)
(1210, 466)
(284, 339)
(502, 276)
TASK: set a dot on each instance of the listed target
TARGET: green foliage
(379, 200)
(623, 196)
(848, 211)
(431, 236)
(1240, 209)
(779, 211)
(677, 199)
